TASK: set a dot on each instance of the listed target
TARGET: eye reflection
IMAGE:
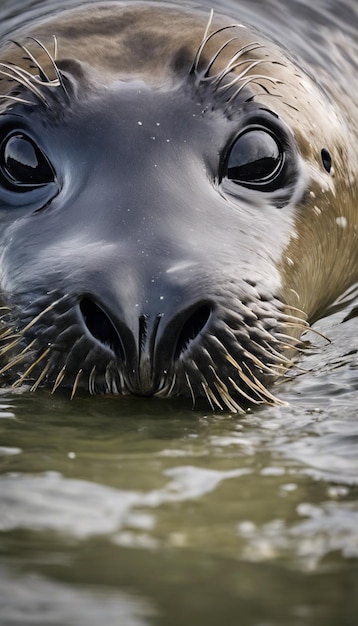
(255, 159)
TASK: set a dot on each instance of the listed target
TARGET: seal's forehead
(157, 42)
(122, 40)
(151, 42)
(136, 39)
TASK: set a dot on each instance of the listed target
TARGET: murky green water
(142, 512)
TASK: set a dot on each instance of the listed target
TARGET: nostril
(192, 327)
(101, 327)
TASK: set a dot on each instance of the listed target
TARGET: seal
(177, 204)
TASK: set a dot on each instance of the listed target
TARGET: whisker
(294, 308)
(303, 323)
(216, 55)
(249, 382)
(6, 333)
(41, 314)
(207, 37)
(108, 378)
(30, 81)
(41, 377)
(234, 63)
(15, 99)
(245, 395)
(59, 378)
(260, 364)
(233, 406)
(15, 361)
(209, 22)
(11, 345)
(251, 79)
(204, 384)
(75, 383)
(18, 358)
(173, 384)
(302, 327)
(256, 384)
(30, 57)
(91, 381)
(236, 79)
(319, 334)
(295, 341)
(59, 81)
(167, 390)
(224, 393)
(211, 397)
(18, 382)
(280, 356)
(20, 76)
(190, 387)
(55, 47)
(114, 387)
(289, 346)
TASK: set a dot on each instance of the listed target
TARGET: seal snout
(148, 355)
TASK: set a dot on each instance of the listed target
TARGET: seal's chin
(223, 351)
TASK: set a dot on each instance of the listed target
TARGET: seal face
(170, 219)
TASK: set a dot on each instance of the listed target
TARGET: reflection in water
(51, 502)
(62, 604)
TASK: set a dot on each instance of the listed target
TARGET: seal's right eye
(22, 164)
(255, 160)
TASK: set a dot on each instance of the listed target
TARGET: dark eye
(255, 160)
(22, 163)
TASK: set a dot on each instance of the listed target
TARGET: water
(139, 513)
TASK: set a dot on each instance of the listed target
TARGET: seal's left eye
(23, 164)
(255, 160)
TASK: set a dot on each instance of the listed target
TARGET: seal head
(170, 219)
